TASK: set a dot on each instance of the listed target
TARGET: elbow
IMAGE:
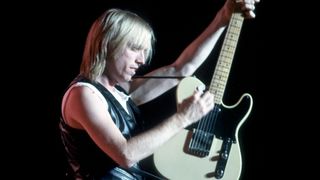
(183, 70)
(127, 164)
(125, 156)
(127, 161)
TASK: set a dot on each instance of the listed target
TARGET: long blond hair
(114, 30)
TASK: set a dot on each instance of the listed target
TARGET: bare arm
(144, 90)
(85, 110)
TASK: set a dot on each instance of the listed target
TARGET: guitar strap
(145, 174)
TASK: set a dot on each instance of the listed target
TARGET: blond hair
(113, 31)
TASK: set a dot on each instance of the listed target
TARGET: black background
(43, 46)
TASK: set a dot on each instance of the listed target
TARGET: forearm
(198, 51)
(144, 90)
(189, 111)
(144, 144)
(186, 64)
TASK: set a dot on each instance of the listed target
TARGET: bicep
(92, 113)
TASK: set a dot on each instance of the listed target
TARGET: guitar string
(204, 127)
(209, 128)
(205, 130)
(208, 122)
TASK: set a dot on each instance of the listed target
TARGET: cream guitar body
(213, 156)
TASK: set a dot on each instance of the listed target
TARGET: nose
(141, 59)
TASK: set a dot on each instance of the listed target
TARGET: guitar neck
(222, 69)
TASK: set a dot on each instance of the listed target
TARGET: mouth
(134, 69)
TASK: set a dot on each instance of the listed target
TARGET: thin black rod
(160, 77)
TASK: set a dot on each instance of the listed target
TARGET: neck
(106, 82)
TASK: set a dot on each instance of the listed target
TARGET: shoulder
(84, 93)
(83, 102)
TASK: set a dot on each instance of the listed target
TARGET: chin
(127, 78)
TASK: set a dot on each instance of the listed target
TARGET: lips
(134, 70)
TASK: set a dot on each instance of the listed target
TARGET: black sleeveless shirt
(86, 159)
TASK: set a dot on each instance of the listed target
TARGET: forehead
(140, 38)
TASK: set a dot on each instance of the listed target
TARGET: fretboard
(223, 66)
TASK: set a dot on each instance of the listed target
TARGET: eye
(135, 48)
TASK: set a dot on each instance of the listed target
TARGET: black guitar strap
(145, 174)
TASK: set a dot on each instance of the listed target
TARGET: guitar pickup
(200, 143)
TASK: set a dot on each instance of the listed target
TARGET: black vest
(86, 158)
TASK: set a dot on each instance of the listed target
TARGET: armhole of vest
(77, 84)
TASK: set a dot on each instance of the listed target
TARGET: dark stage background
(49, 47)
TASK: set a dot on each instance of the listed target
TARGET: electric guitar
(210, 149)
